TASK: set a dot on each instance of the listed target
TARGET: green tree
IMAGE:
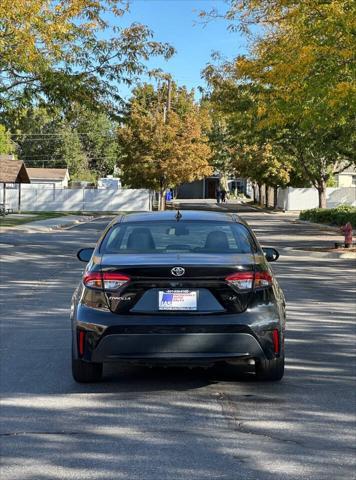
(6, 144)
(264, 165)
(98, 139)
(42, 139)
(243, 146)
(67, 50)
(37, 132)
(220, 144)
(161, 152)
(71, 150)
(301, 69)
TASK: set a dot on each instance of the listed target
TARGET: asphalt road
(157, 424)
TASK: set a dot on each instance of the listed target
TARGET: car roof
(170, 215)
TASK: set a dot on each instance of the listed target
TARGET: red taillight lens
(105, 280)
(276, 341)
(246, 280)
(81, 339)
(93, 280)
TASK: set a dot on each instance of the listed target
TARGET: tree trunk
(275, 197)
(162, 191)
(322, 193)
(162, 202)
(260, 194)
(266, 196)
(254, 189)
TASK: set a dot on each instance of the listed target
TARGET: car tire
(270, 370)
(86, 372)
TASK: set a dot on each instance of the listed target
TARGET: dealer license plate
(177, 300)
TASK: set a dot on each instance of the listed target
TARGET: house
(347, 178)
(109, 182)
(207, 187)
(55, 177)
(12, 174)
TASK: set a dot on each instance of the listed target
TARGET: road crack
(229, 412)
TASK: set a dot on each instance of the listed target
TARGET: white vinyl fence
(305, 198)
(81, 199)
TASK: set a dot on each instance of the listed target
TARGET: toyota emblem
(178, 271)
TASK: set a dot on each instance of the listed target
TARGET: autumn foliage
(64, 51)
(159, 154)
(295, 86)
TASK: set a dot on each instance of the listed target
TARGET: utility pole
(169, 95)
(167, 106)
(166, 110)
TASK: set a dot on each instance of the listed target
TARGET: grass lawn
(26, 217)
(13, 220)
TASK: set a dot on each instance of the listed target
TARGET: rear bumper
(201, 347)
(184, 339)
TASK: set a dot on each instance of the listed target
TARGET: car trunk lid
(195, 284)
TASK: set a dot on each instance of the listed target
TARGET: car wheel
(86, 372)
(270, 370)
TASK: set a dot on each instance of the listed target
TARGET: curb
(288, 251)
(286, 215)
(27, 228)
(263, 209)
(67, 226)
(320, 226)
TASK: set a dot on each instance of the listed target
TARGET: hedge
(333, 216)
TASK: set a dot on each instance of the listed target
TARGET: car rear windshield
(183, 236)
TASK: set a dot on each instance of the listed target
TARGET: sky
(177, 22)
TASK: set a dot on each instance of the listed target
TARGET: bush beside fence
(333, 216)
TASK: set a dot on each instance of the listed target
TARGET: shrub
(333, 216)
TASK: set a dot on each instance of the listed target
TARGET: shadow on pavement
(173, 423)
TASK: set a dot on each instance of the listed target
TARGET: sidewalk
(49, 224)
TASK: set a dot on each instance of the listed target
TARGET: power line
(55, 160)
(33, 158)
(55, 134)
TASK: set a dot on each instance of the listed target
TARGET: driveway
(174, 424)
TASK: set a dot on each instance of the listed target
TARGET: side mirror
(271, 254)
(84, 254)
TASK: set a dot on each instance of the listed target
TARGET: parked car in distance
(187, 288)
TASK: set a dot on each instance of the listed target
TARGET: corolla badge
(178, 271)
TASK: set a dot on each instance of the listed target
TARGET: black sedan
(188, 288)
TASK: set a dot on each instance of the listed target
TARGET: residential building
(12, 174)
(347, 178)
(55, 177)
(207, 187)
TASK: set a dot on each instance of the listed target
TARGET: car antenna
(178, 215)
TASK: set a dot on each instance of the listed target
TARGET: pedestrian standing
(223, 195)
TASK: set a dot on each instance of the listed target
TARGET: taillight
(275, 336)
(246, 280)
(241, 280)
(105, 280)
(113, 281)
(93, 280)
(263, 279)
(81, 340)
